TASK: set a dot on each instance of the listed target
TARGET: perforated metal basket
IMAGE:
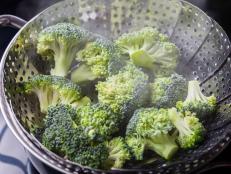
(204, 48)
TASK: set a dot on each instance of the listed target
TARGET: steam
(29, 8)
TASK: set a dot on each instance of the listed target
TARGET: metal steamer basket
(204, 48)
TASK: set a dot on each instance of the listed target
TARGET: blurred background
(13, 159)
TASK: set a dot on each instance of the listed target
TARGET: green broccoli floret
(190, 129)
(150, 49)
(197, 102)
(65, 136)
(166, 91)
(62, 135)
(41, 85)
(125, 91)
(52, 90)
(92, 156)
(94, 61)
(99, 119)
(60, 43)
(153, 127)
(136, 146)
(118, 153)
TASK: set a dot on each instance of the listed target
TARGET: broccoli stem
(164, 145)
(194, 92)
(82, 102)
(180, 124)
(63, 60)
(82, 74)
(44, 98)
(141, 58)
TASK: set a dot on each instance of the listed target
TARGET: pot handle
(11, 21)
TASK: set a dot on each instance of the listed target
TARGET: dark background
(220, 10)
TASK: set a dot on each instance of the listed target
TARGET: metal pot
(204, 48)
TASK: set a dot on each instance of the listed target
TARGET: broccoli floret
(150, 49)
(118, 153)
(190, 129)
(197, 102)
(62, 135)
(99, 119)
(166, 91)
(154, 127)
(92, 156)
(41, 85)
(94, 61)
(136, 146)
(52, 90)
(125, 91)
(60, 43)
(69, 92)
(65, 136)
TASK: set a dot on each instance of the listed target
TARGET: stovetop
(14, 159)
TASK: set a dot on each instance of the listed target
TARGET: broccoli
(196, 102)
(94, 60)
(125, 91)
(166, 91)
(52, 90)
(60, 43)
(136, 147)
(99, 119)
(118, 153)
(190, 129)
(150, 49)
(92, 156)
(154, 128)
(41, 85)
(67, 138)
(62, 135)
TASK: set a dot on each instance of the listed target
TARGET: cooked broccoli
(41, 85)
(197, 102)
(166, 91)
(99, 119)
(52, 90)
(95, 59)
(150, 49)
(62, 135)
(136, 146)
(125, 91)
(118, 153)
(67, 138)
(92, 156)
(154, 128)
(60, 43)
(189, 127)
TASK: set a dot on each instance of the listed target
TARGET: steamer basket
(204, 48)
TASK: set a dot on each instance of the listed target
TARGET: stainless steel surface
(204, 48)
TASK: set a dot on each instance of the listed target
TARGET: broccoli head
(154, 128)
(125, 91)
(99, 119)
(136, 146)
(52, 90)
(166, 91)
(94, 61)
(197, 102)
(92, 156)
(190, 129)
(150, 49)
(60, 43)
(41, 86)
(118, 153)
(65, 136)
(62, 135)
